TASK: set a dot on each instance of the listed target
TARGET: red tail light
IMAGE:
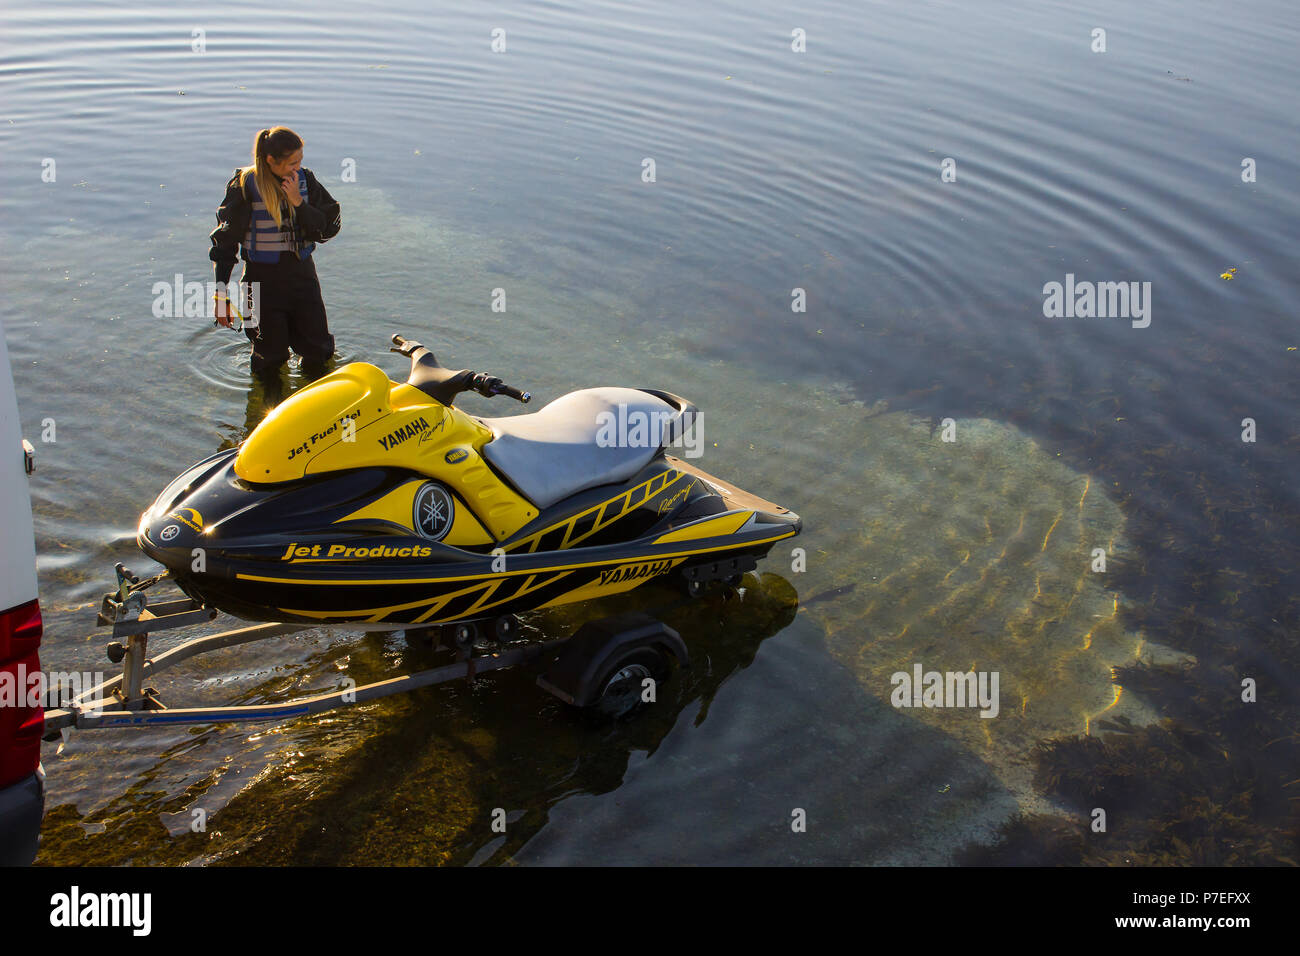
(20, 724)
(20, 631)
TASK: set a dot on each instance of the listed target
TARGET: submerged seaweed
(1214, 575)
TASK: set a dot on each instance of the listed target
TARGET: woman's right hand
(221, 309)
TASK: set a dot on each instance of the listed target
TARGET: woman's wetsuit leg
(270, 337)
(291, 315)
(308, 327)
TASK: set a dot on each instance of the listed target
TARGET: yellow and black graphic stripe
(571, 531)
(482, 595)
(473, 601)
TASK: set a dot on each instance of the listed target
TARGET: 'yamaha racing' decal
(434, 510)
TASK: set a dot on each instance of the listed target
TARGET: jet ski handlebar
(489, 385)
(443, 384)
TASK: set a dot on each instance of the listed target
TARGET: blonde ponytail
(271, 143)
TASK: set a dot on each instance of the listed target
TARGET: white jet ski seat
(564, 447)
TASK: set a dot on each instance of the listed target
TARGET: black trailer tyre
(622, 682)
(506, 628)
(464, 633)
(588, 672)
(694, 587)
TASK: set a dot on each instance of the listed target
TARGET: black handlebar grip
(522, 397)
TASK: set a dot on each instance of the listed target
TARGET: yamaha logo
(434, 510)
(169, 532)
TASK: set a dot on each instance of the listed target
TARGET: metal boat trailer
(604, 666)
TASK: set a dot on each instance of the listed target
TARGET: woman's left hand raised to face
(291, 193)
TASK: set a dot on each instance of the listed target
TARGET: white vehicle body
(22, 780)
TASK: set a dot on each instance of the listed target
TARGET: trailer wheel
(506, 628)
(464, 633)
(623, 680)
(694, 587)
(601, 668)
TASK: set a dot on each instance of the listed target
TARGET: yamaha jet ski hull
(363, 501)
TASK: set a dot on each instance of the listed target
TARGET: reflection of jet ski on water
(363, 501)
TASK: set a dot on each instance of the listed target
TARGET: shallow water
(774, 171)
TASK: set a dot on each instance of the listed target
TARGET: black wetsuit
(291, 312)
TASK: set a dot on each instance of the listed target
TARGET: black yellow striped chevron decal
(475, 600)
(572, 531)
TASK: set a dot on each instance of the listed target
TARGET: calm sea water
(775, 170)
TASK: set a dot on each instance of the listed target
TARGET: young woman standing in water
(277, 239)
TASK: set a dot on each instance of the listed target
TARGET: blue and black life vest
(264, 240)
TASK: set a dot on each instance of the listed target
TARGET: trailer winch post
(137, 646)
(126, 610)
